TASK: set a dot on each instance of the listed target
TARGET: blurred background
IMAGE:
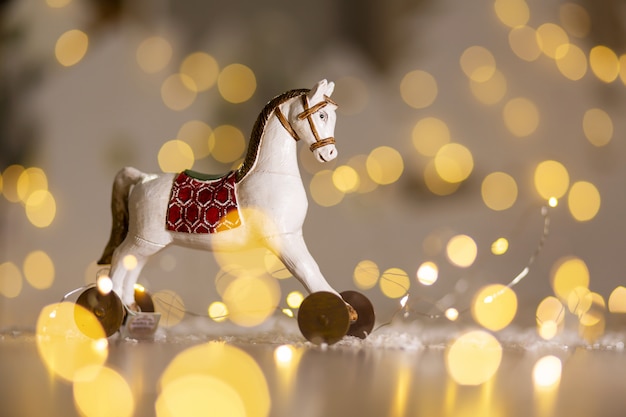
(459, 122)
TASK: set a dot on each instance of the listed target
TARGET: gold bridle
(308, 113)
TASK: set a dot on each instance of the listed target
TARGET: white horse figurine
(152, 211)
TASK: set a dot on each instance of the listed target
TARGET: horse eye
(322, 115)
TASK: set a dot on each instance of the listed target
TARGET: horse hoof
(363, 325)
(107, 308)
(323, 318)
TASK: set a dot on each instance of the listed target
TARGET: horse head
(313, 120)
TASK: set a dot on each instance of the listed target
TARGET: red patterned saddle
(202, 204)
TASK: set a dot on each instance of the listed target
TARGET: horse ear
(317, 92)
(330, 88)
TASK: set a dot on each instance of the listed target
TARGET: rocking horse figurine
(263, 203)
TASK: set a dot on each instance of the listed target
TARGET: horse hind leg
(128, 260)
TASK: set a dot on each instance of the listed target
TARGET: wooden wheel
(365, 323)
(323, 318)
(107, 308)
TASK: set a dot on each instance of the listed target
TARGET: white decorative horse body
(269, 191)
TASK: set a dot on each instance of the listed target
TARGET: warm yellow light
(346, 179)
(227, 143)
(575, 19)
(10, 280)
(513, 13)
(494, 306)
(551, 179)
(491, 91)
(171, 307)
(57, 4)
(218, 311)
(550, 37)
(366, 274)
(251, 299)
(39, 270)
(478, 63)
(567, 274)
(227, 364)
(129, 262)
(500, 246)
(71, 47)
(41, 208)
(461, 250)
(202, 68)
(547, 372)
(452, 314)
(104, 284)
(549, 315)
(617, 300)
(499, 191)
(275, 267)
(594, 315)
(236, 83)
(427, 273)
(521, 116)
(435, 183)
(571, 61)
(598, 127)
(31, 180)
(105, 394)
(604, 63)
(473, 358)
(579, 301)
(197, 135)
(294, 299)
(283, 354)
(394, 283)
(153, 54)
(10, 178)
(175, 92)
(323, 191)
(454, 162)
(175, 156)
(553, 202)
(430, 134)
(523, 42)
(418, 89)
(359, 163)
(583, 201)
(384, 165)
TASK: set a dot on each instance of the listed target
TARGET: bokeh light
(461, 251)
(452, 314)
(346, 179)
(418, 89)
(521, 116)
(499, 191)
(454, 162)
(427, 273)
(473, 358)
(491, 91)
(236, 83)
(175, 156)
(218, 311)
(550, 316)
(494, 306)
(41, 208)
(359, 164)
(153, 54)
(598, 127)
(10, 280)
(197, 135)
(171, 307)
(38, 270)
(30, 180)
(202, 68)
(394, 283)
(251, 299)
(366, 274)
(513, 13)
(617, 300)
(583, 201)
(574, 19)
(227, 143)
(71, 47)
(550, 37)
(571, 62)
(604, 63)
(384, 165)
(478, 63)
(523, 43)
(435, 183)
(63, 344)
(294, 299)
(10, 177)
(323, 190)
(429, 135)
(274, 266)
(547, 372)
(500, 246)
(567, 274)
(176, 92)
(579, 301)
(225, 363)
(57, 4)
(100, 391)
(551, 179)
